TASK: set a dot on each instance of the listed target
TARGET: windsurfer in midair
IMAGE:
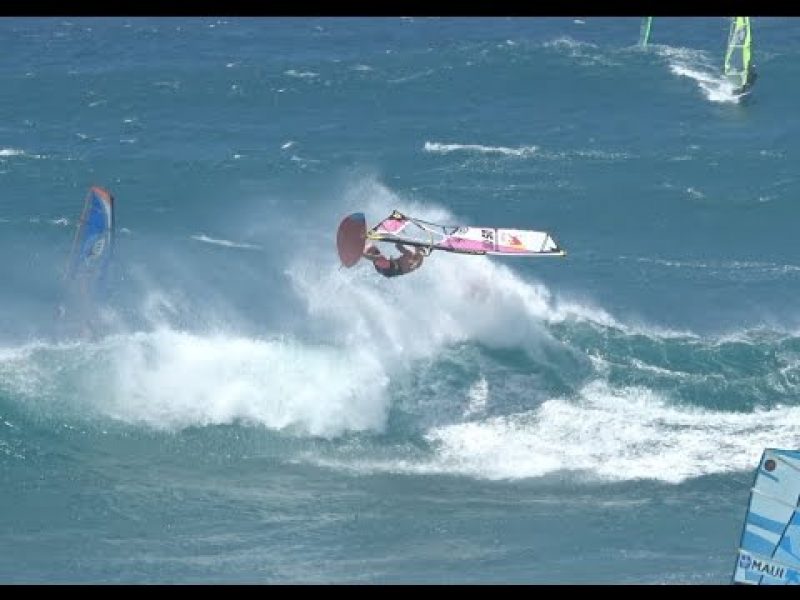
(392, 267)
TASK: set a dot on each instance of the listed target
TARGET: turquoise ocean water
(248, 412)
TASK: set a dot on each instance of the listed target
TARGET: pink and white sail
(464, 239)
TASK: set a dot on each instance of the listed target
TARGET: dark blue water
(250, 412)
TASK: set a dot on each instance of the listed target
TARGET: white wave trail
(227, 243)
(694, 65)
(615, 434)
(523, 151)
(440, 148)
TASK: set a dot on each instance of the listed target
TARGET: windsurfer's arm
(405, 251)
(371, 253)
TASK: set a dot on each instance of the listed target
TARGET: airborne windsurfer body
(392, 267)
(354, 242)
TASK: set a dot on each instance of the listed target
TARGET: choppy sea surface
(249, 412)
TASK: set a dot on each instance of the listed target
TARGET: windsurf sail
(350, 238)
(769, 550)
(410, 231)
(737, 56)
(644, 31)
(93, 245)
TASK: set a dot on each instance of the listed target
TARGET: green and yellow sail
(737, 56)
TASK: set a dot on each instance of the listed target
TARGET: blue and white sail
(93, 246)
(769, 550)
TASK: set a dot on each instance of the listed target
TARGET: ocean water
(250, 412)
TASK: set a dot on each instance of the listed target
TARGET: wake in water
(522, 152)
(201, 237)
(447, 148)
(697, 66)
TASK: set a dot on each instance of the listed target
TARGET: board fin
(350, 239)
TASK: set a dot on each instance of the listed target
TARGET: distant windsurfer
(392, 267)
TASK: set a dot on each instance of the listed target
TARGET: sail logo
(745, 561)
(753, 564)
(97, 248)
(510, 239)
(488, 238)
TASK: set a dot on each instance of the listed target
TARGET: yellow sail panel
(738, 53)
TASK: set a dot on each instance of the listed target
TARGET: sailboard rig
(769, 550)
(644, 31)
(738, 66)
(410, 231)
(92, 248)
